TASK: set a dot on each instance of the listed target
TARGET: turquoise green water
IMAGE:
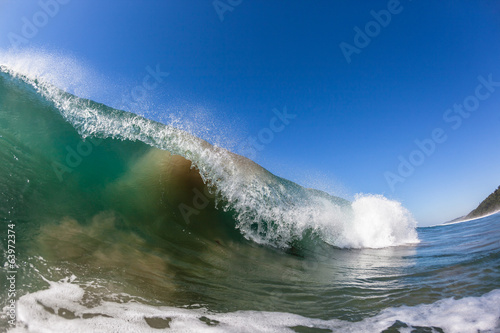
(116, 215)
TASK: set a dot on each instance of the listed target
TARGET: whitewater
(125, 224)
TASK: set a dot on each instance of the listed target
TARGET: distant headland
(489, 205)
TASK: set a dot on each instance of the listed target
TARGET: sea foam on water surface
(60, 308)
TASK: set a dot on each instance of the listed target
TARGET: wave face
(126, 224)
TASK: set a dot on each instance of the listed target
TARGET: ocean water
(123, 224)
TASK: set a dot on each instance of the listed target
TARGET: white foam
(60, 308)
(268, 209)
(379, 222)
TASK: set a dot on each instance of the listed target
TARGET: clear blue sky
(354, 119)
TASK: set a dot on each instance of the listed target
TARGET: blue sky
(355, 120)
